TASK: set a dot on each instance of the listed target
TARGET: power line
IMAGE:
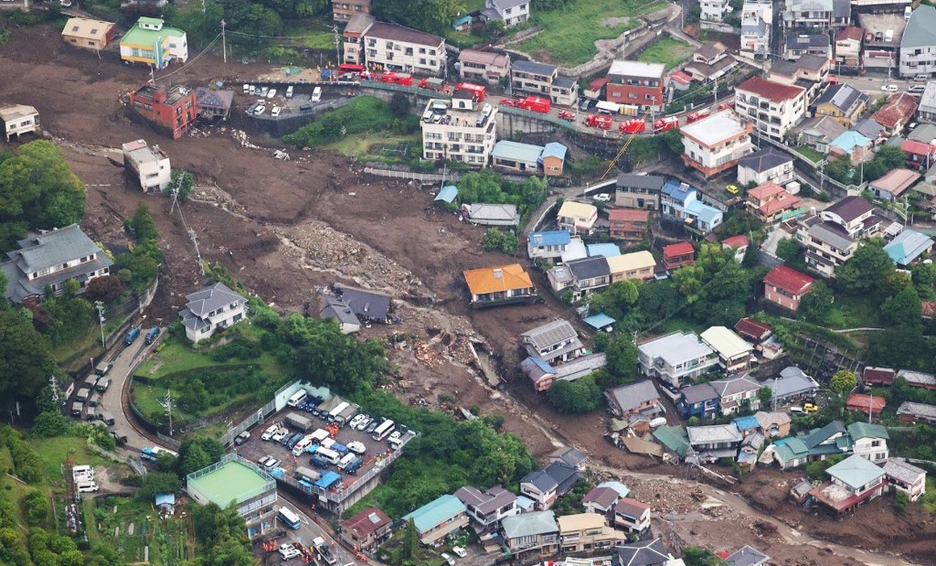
(190, 61)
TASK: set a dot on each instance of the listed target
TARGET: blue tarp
(447, 194)
(165, 499)
(599, 321)
(327, 480)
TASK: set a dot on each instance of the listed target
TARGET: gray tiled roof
(590, 267)
(550, 333)
(367, 304)
(628, 397)
(339, 309)
(764, 160)
(644, 553)
(532, 67)
(530, 524)
(699, 393)
(921, 28)
(200, 303)
(649, 182)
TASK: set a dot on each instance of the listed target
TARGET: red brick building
(170, 110)
(628, 224)
(678, 255)
(640, 84)
(785, 287)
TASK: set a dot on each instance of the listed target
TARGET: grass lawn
(311, 34)
(570, 34)
(376, 147)
(810, 154)
(54, 451)
(671, 52)
(854, 312)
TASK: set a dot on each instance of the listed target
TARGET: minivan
(106, 418)
(921, 78)
(94, 400)
(76, 409)
(102, 384)
(102, 368)
(317, 94)
(83, 393)
(85, 487)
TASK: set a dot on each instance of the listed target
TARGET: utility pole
(169, 409)
(54, 387)
(223, 41)
(337, 46)
(100, 309)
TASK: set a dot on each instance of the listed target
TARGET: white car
(246, 88)
(459, 551)
(272, 93)
(364, 422)
(87, 487)
(356, 421)
(357, 447)
(271, 463)
(448, 558)
(276, 111)
(889, 88)
(279, 435)
(263, 91)
(289, 91)
(288, 551)
(394, 436)
(603, 197)
(269, 432)
(260, 110)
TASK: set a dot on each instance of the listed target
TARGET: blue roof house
(681, 201)
(852, 144)
(549, 244)
(553, 159)
(436, 519)
(908, 246)
(606, 249)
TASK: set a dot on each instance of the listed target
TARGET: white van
(298, 397)
(300, 446)
(329, 456)
(87, 487)
(317, 94)
(346, 459)
(82, 470)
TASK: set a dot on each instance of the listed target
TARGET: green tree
(51, 423)
(25, 358)
(764, 395)
(698, 556)
(924, 277)
(35, 507)
(181, 182)
(497, 240)
(891, 157)
(143, 224)
(788, 249)
(901, 500)
(105, 289)
(622, 358)
(410, 541)
(574, 397)
(843, 381)
(673, 140)
(867, 268)
(816, 305)
(195, 459)
(400, 105)
(617, 299)
(900, 346)
(904, 308)
(751, 257)
(158, 482)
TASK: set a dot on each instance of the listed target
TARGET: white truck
(324, 550)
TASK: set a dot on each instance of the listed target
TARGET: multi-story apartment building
(403, 49)
(532, 78)
(676, 359)
(774, 107)
(49, 261)
(716, 143)
(151, 42)
(713, 10)
(170, 109)
(818, 14)
(352, 39)
(344, 10)
(832, 237)
(458, 130)
(150, 165)
(483, 66)
(638, 191)
(918, 44)
(756, 22)
(636, 83)
(19, 119)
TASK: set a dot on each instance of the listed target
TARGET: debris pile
(424, 353)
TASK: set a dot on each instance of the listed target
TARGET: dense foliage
(221, 537)
(139, 267)
(363, 114)
(37, 190)
(447, 455)
(25, 358)
(497, 240)
(575, 397)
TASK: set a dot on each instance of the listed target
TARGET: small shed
(165, 503)
(447, 194)
(600, 321)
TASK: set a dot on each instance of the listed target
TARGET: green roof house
(151, 42)
(869, 441)
(438, 518)
(854, 481)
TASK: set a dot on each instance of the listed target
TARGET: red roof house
(785, 287)
(896, 113)
(878, 376)
(628, 223)
(866, 403)
(368, 528)
(769, 200)
(752, 330)
(678, 255)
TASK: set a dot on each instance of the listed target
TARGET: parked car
(252, 108)
(733, 189)
(448, 558)
(459, 551)
(241, 438)
(364, 423)
(916, 88)
(246, 88)
(271, 93)
(264, 459)
(357, 447)
(356, 421)
(289, 91)
(279, 435)
(260, 110)
(269, 432)
(275, 112)
(602, 197)
(889, 88)
(263, 91)
(510, 103)
(271, 463)
(288, 552)
(370, 428)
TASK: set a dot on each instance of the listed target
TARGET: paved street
(306, 533)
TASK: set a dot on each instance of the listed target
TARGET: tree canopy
(843, 381)
(575, 397)
(25, 358)
(37, 190)
(866, 270)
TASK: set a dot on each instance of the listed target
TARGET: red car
(696, 116)
(600, 121)
(726, 105)
(509, 103)
(566, 115)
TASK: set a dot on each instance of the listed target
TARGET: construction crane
(624, 147)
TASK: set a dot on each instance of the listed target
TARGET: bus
(289, 518)
(152, 453)
(383, 430)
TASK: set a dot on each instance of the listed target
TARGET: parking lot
(280, 105)
(374, 453)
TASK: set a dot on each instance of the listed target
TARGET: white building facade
(461, 133)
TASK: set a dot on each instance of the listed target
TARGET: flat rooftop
(447, 112)
(139, 152)
(173, 93)
(231, 482)
(716, 128)
(880, 23)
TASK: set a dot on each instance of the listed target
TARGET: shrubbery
(363, 114)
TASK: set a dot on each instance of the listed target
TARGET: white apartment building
(773, 106)
(756, 19)
(19, 119)
(511, 12)
(150, 165)
(676, 359)
(403, 49)
(713, 10)
(459, 131)
(918, 44)
(716, 143)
